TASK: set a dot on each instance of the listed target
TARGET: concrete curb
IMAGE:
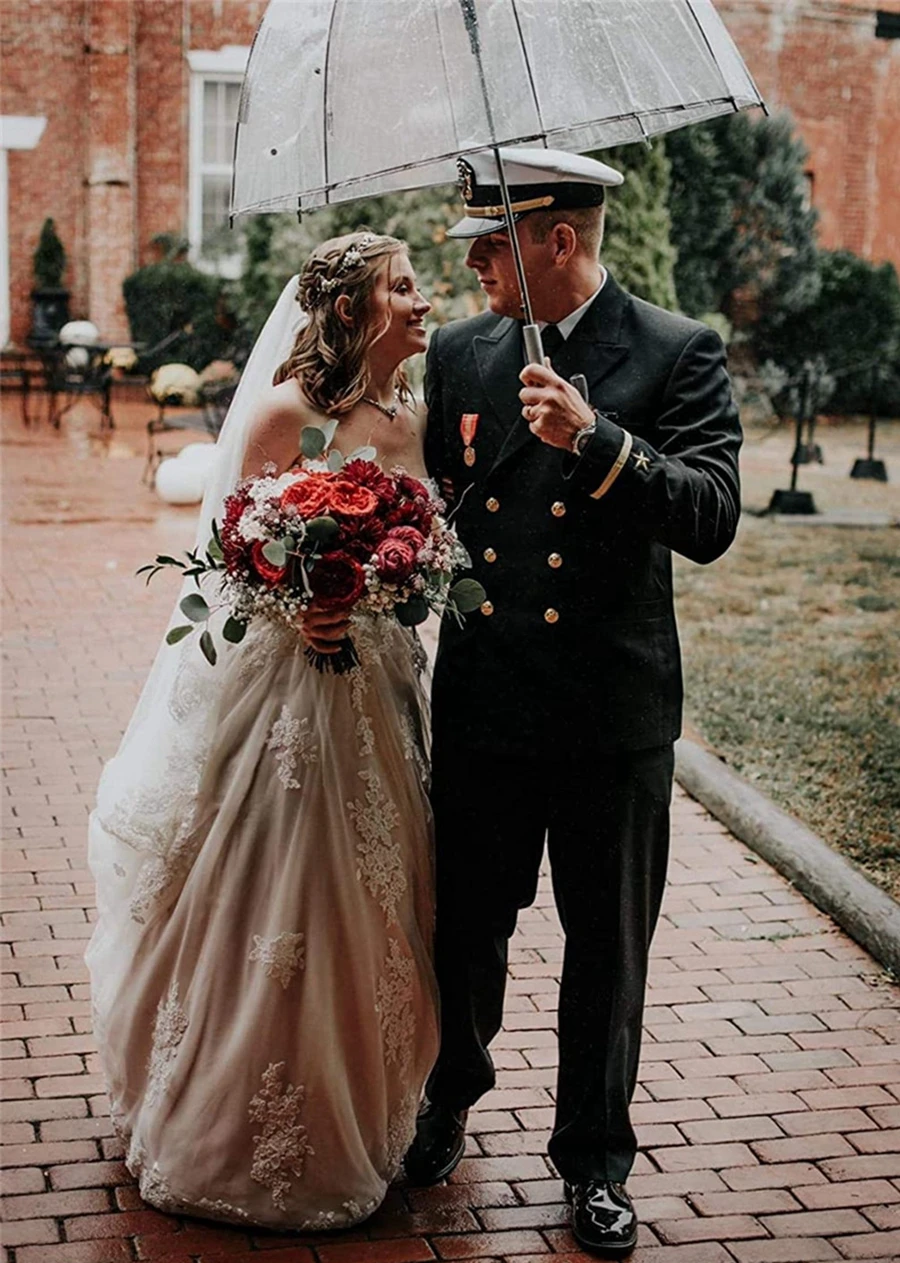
(832, 883)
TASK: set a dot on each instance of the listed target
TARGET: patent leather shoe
(603, 1218)
(439, 1144)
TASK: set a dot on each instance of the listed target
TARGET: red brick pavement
(768, 1108)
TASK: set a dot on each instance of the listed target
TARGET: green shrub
(852, 329)
(161, 298)
(49, 259)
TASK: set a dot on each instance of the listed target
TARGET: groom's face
(491, 258)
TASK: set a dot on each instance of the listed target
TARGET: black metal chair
(215, 400)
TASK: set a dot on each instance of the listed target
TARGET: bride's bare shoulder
(279, 415)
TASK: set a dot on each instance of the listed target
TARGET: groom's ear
(342, 307)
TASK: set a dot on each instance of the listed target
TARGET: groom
(556, 706)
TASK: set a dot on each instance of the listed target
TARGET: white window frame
(17, 131)
(226, 64)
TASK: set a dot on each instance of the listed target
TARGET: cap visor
(471, 227)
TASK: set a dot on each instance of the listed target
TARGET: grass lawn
(792, 647)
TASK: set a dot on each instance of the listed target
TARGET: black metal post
(870, 467)
(794, 501)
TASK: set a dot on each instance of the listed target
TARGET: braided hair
(328, 356)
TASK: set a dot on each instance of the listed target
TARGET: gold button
(558, 509)
(490, 555)
(487, 608)
(554, 561)
(492, 505)
(550, 616)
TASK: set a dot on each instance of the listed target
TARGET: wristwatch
(584, 435)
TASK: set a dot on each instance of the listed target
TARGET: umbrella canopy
(354, 98)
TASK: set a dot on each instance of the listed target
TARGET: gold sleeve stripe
(618, 466)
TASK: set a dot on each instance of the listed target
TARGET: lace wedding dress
(264, 998)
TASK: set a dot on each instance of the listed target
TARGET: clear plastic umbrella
(353, 98)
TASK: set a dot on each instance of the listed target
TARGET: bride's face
(398, 310)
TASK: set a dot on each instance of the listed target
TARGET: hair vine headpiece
(350, 259)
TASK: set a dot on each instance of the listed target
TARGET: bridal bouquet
(342, 534)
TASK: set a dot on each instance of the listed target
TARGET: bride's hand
(322, 629)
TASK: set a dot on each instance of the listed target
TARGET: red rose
(349, 499)
(267, 572)
(395, 559)
(309, 495)
(234, 548)
(337, 581)
(409, 535)
(367, 474)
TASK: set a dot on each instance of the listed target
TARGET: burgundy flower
(409, 535)
(395, 559)
(234, 548)
(368, 474)
(337, 581)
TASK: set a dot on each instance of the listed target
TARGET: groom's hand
(322, 629)
(553, 408)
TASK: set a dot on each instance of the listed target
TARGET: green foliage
(49, 259)
(739, 217)
(161, 298)
(637, 245)
(852, 328)
(276, 247)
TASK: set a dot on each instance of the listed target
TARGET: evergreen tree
(740, 222)
(637, 244)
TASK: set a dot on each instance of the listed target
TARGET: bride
(261, 971)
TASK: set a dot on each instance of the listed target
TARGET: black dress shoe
(439, 1144)
(603, 1218)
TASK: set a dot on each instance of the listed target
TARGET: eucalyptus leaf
(215, 530)
(413, 612)
(321, 530)
(214, 549)
(312, 441)
(208, 648)
(329, 429)
(163, 560)
(364, 453)
(335, 461)
(275, 552)
(234, 630)
(179, 633)
(195, 608)
(467, 595)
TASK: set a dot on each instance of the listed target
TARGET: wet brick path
(768, 1108)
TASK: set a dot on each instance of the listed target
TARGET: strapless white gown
(262, 979)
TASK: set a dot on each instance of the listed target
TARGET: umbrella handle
(534, 348)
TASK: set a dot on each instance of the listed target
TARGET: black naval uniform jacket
(575, 650)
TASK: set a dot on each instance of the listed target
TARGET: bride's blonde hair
(328, 356)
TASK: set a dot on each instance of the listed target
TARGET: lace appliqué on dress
(380, 862)
(280, 957)
(413, 752)
(168, 1032)
(401, 1132)
(281, 1148)
(191, 688)
(291, 740)
(394, 1006)
(266, 642)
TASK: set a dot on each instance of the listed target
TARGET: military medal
(467, 428)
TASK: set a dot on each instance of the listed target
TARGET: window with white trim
(215, 94)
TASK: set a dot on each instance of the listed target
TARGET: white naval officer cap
(538, 179)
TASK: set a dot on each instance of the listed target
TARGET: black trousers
(606, 823)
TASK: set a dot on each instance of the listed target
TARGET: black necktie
(552, 341)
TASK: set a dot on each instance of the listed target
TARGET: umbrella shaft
(513, 238)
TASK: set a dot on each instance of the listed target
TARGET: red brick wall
(820, 60)
(44, 71)
(112, 78)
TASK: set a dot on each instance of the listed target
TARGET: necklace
(390, 410)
